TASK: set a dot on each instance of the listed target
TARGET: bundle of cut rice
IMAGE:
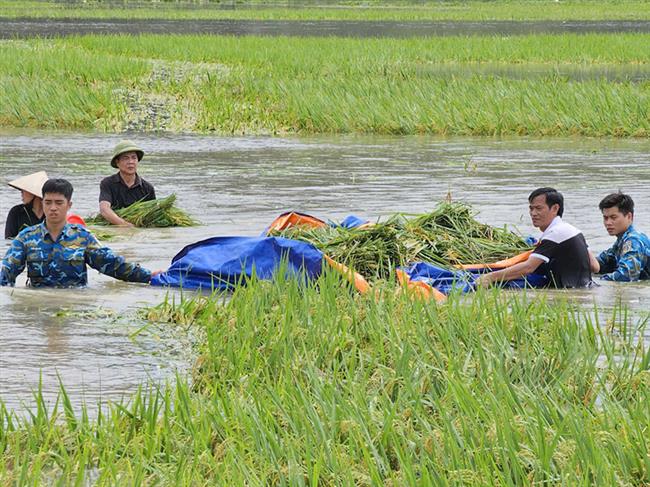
(152, 213)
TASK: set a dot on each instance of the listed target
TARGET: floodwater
(236, 186)
(29, 27)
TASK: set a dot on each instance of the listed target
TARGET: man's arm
(606, 260)
(13, 263)
(509, 273)
(594, 264)
(110, 216)
(107, 262)
(630, 264)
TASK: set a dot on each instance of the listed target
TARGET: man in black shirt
(126, 187)
(561, 254)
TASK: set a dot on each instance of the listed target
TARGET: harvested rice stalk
(153, 213)
(447, 236)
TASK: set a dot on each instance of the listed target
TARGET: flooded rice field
(93, 340)
(26, 27)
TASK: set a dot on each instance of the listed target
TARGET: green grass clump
(340, 10)
(447, 236)
(256, 85)
(153, 213)
(321, 386)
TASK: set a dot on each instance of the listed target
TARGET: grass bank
(373, 10)
(256, 85)
(320, 386)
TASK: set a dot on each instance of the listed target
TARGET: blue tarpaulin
(224, 262)
(446, 281)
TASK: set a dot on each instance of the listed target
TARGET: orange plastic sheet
(419, 288)
(293, 219)
(502, 264)
(354, 278)
(74, 218)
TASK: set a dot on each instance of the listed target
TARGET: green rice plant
(288, 85)
(313, 384)
(153, 213)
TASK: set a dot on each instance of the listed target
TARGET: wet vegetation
(257, 85)
(159, 213)
(447, 236)
(317, 385)
(339, 10)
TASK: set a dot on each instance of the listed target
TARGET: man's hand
(484, 280)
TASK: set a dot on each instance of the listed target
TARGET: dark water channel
(236, 186)
(11, 28)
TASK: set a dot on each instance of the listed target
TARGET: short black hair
(623, 202)
(553, 197)
(60, 186)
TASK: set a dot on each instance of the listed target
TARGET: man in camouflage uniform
(629, 258)
(56, 252)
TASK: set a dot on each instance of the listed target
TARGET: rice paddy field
(316, 385)
(334, 10)
(261, 85)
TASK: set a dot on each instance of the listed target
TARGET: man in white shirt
(561, 254)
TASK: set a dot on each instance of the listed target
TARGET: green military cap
(125, 146)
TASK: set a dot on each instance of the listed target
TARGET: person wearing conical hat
(57, 253)
(30, 212)
(125, 187)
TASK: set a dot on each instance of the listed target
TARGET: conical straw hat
(32, 183)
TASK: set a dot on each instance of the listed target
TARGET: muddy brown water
(235, 186)
(11, 28)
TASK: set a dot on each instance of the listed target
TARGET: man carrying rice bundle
(125, 187)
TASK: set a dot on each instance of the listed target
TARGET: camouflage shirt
(62, 263)
(628, 259)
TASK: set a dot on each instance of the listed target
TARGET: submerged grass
(339, 10)
(317, 385)
(449, 235)
(286, 85)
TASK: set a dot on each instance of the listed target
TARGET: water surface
(29, 27)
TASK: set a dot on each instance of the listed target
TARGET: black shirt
(19, 217)
(564, 251)
(114, 190)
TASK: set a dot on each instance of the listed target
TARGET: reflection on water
(236, 186)
(23, 28)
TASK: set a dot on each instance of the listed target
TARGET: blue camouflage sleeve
(13, 263)
(630, 264)
(107, 262)
(607, 260)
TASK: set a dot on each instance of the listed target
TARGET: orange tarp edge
(502, 264)
(419, 288)
(293, 219)
(354, 278)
